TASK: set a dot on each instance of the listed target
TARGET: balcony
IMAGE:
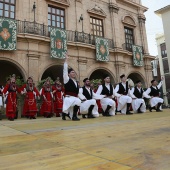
(128, 47)
(44, 30)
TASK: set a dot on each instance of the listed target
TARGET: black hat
(69, 70)
(106, 75)
(85, 79)
(123, 75)
(138, 81)
(153, 81)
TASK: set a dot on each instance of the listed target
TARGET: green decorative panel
(102, 49)
(8, 34)
(137, 55)
(58, 43)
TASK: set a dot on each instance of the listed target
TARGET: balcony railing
(44, 30)
(128, 47)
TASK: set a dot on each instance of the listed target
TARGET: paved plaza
(131, 142)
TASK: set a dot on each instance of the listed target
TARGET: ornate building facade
(120, 22)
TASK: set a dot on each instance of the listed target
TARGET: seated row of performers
(84, 99)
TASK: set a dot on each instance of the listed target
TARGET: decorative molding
(129, 20)
(79, 1)
(82, 61)
(60, 2)
(33, 56)
(113, 7)
(142, 18)
(97, 11)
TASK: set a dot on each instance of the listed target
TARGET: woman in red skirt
(30, 91)
(11, 90)
(58, 93)
(47, 103)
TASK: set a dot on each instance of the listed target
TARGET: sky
(153, 22)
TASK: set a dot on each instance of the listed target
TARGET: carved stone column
(33, 66)
(142, 20)
(114, 22)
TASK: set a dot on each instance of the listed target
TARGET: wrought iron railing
(128, 47)
(44, 30)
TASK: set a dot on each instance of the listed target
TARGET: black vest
(122, 89)
(105, 90)
(70, 88)
(87, 94)
(154, 92)
(138, 93)
(1, 89)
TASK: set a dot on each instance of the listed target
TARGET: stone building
(120, 22)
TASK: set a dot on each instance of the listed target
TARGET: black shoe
(90, 116)
(63, 116)
(84, 116)
(129, 113)
(68, 116)
(150, 109)
(139, 111)
(158, 110)
(33, 117)
(75, 119)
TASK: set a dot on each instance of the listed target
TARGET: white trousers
(155, 100)
(68, 104)
(122, 103)
(1, 103)
(136, 104)
(107, 101)
(84, 106)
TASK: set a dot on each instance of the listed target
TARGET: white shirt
(94, 95)
(132, 91)
(149, 89)
(99, 90)
(65, 74)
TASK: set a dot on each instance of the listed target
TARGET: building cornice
(130, 2)
(162, 10)
(60, 2)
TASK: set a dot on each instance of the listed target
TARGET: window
(56, 17)
(129, 40)
(7, 8)
(96, 26)
(165, 65)
(163, 50)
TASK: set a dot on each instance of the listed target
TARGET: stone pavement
(131, 142)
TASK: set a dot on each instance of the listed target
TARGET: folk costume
(89, 105)
(11, 101)
(47, 100)
(153, 92)
(107, 103)
(71, 102)
(138, 103)
(29, 90)
(124, 101)
(58, 96)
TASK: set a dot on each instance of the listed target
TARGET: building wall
(32, 57)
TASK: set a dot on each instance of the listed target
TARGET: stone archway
(53, 72)
(100, 73)
(8, 68)
(135, 77)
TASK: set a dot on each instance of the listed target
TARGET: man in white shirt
(71, 101)
(121, 91)
(88, 105)
(107, 103)
(138, 103)
(153, 93)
